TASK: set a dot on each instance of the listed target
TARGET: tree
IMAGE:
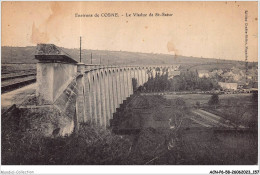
(255, 97)
(197, 104)
(214, 100)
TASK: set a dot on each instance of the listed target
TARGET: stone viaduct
(85, 92)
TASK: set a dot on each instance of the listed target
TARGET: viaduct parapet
(86, 92)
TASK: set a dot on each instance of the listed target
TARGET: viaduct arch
(86, 92)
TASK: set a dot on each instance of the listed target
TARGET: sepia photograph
(129, 83)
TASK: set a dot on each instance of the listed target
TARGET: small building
(228, 86)
(240, 85)
(203, 73)
(173, 73)
(177, 67)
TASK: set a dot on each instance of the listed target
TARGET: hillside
(26, 55)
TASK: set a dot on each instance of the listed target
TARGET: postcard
(129, 83)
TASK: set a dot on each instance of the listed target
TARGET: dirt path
(201, 122)
(207, 119)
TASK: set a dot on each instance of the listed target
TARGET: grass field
(191, 144)
(191, 99)
(96, 146)
(17, 68)
(238, 108)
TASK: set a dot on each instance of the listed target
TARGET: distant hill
(26, 55)
(18, 54)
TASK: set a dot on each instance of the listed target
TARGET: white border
(130, 169)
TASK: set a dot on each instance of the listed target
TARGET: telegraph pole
(246, 67)
(91, 57)
(80, 51)
(11, 52)
(100, 60)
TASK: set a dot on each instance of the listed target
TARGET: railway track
(207, 119)
(5, 77)
(18, 71)
(17, 80)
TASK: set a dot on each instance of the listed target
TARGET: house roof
(203, 71)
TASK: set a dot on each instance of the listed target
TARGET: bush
(214, 100)
(255, 97)
(91, 146)
(197, 104)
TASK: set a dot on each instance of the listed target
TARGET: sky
(198, 29)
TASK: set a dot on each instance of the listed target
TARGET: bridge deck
(17, 75)
(11, 84)
(17, 96)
